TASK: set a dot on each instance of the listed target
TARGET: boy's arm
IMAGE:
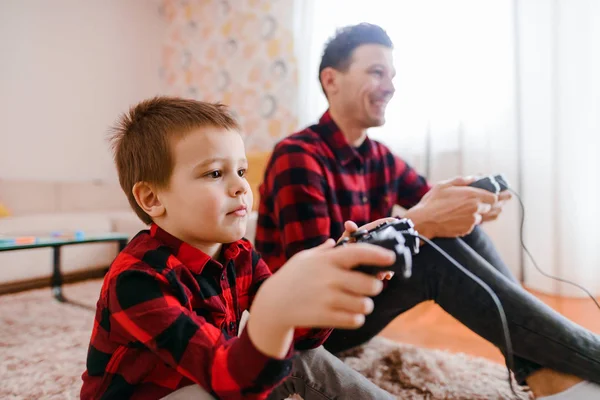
(146, 308)
(304, 338)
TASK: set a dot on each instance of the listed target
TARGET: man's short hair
(339, 48)
(142, 139)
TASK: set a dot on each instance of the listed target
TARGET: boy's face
(208, 199)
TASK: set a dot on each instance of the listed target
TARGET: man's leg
(319, 375)
(479, 241)
(388, 305)
(538, 333)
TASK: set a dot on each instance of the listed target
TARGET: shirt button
(365, 199)
(222, 277)
(232, 326)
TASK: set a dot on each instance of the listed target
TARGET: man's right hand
(316, 288)
(451, 209)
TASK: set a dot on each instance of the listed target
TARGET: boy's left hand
(350, 227)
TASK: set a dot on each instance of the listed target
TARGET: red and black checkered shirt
(315, 181)
(168, 316)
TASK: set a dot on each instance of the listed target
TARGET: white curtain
(463, 106)
(559, 87)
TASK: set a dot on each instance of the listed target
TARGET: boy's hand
(316, 288)
(350, 227)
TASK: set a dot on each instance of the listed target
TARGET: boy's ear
(147, 198)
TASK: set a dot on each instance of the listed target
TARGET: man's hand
(315, 288)
(451, 209)
(350, 227)
(496, 209)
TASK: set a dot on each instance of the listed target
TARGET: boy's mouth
(239, 211)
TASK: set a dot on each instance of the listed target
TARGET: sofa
(42, 207)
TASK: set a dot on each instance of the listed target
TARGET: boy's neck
(213, 250)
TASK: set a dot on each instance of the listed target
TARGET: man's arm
(411, 186)
(145, 308)
(448, 209)
(299, 201)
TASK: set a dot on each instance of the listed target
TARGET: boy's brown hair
(141, 139)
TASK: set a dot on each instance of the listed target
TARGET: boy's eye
(214, 174)
(242, 172)
(377, 72)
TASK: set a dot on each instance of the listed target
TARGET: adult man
(330, 173)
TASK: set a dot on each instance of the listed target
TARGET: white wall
(67, 69)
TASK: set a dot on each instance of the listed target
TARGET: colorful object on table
(76, 235)
(18, 240)
(4, 211)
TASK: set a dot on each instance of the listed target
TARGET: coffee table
(8, 244)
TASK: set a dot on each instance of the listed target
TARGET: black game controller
(491, 183)
(399, 236)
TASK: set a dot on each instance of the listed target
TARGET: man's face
(364, 90)
(208, 199)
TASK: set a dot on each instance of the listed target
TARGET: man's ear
(147, 198)
(329, 80)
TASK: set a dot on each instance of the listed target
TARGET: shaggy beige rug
(43, 346)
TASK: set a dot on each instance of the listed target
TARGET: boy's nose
(240, 187)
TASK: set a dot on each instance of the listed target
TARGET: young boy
(167, 321)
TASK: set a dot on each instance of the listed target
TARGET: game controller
(491, 183)
(398, 236)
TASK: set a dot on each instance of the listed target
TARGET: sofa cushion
(43, 224)
(28, 197)
(90, 196)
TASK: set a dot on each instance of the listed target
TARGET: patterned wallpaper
(239, 52)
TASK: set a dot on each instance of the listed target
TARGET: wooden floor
(429, 326)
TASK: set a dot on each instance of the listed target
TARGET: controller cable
(533, 261)
(507, 341)
(508, 356)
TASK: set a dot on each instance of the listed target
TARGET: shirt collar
(337, 142)
(194, 259)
